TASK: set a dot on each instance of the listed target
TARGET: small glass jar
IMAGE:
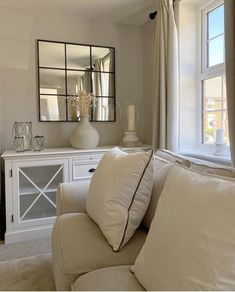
(38, 143)
(19, 144)
(23, 129)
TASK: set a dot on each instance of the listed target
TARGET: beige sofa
(82, 258)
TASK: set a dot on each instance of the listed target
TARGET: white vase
(84, 136)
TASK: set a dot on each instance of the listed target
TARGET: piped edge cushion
(119, 194)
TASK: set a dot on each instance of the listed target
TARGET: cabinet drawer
(88, 158)
(83, 171)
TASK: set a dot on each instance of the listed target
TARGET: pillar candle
(219, 138)
(131, 117)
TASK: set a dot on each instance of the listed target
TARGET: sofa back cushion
(191, 241)
(161, 169)
(119, 194)
(213, 169)
(163, 162)
(172, 157)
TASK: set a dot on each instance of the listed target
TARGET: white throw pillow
(191, 241)
(119, 194)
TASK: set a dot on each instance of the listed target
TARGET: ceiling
(134, 12)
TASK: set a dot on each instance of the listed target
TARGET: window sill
(207, 156)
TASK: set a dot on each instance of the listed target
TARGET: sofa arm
(71, 197)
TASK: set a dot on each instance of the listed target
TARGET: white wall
(148, 34)
(18, 32)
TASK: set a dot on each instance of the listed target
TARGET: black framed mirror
(66, 68)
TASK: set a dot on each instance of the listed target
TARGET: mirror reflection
(52, 55)
(103, 59)
(78, 57)
(53, 80)
(78, 80)
(103, 84)
(53, 108)
(104, 109)
(66, 68)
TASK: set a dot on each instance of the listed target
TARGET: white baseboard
(29, 234)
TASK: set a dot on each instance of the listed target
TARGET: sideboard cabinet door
(34, 191)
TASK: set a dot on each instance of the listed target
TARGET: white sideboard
(31, 180)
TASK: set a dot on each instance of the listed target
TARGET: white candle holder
(130, 139)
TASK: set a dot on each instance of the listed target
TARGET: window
(212, 80)
(203, 101)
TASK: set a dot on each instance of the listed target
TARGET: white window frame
(205, 72)
(217, 69)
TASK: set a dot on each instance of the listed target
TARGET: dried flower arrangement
(81, 102)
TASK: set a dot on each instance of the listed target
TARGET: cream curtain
(110, 86)
(111, 69)
(229, 13)
(84, 81)
(166, 91)
(97, 89)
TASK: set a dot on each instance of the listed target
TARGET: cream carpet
(24, 249)
(27, 274)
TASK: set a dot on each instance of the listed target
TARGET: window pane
(216, 51)
(224, 89)
(216, 22)
(214, 109)
(212, 94)
(226, 132)
(209, 124)
(213, 121)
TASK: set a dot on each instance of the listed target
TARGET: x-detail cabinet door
(34, 190)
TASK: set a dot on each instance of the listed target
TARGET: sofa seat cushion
(118, 278)
(79, 246)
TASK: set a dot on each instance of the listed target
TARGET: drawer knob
(91, 170)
